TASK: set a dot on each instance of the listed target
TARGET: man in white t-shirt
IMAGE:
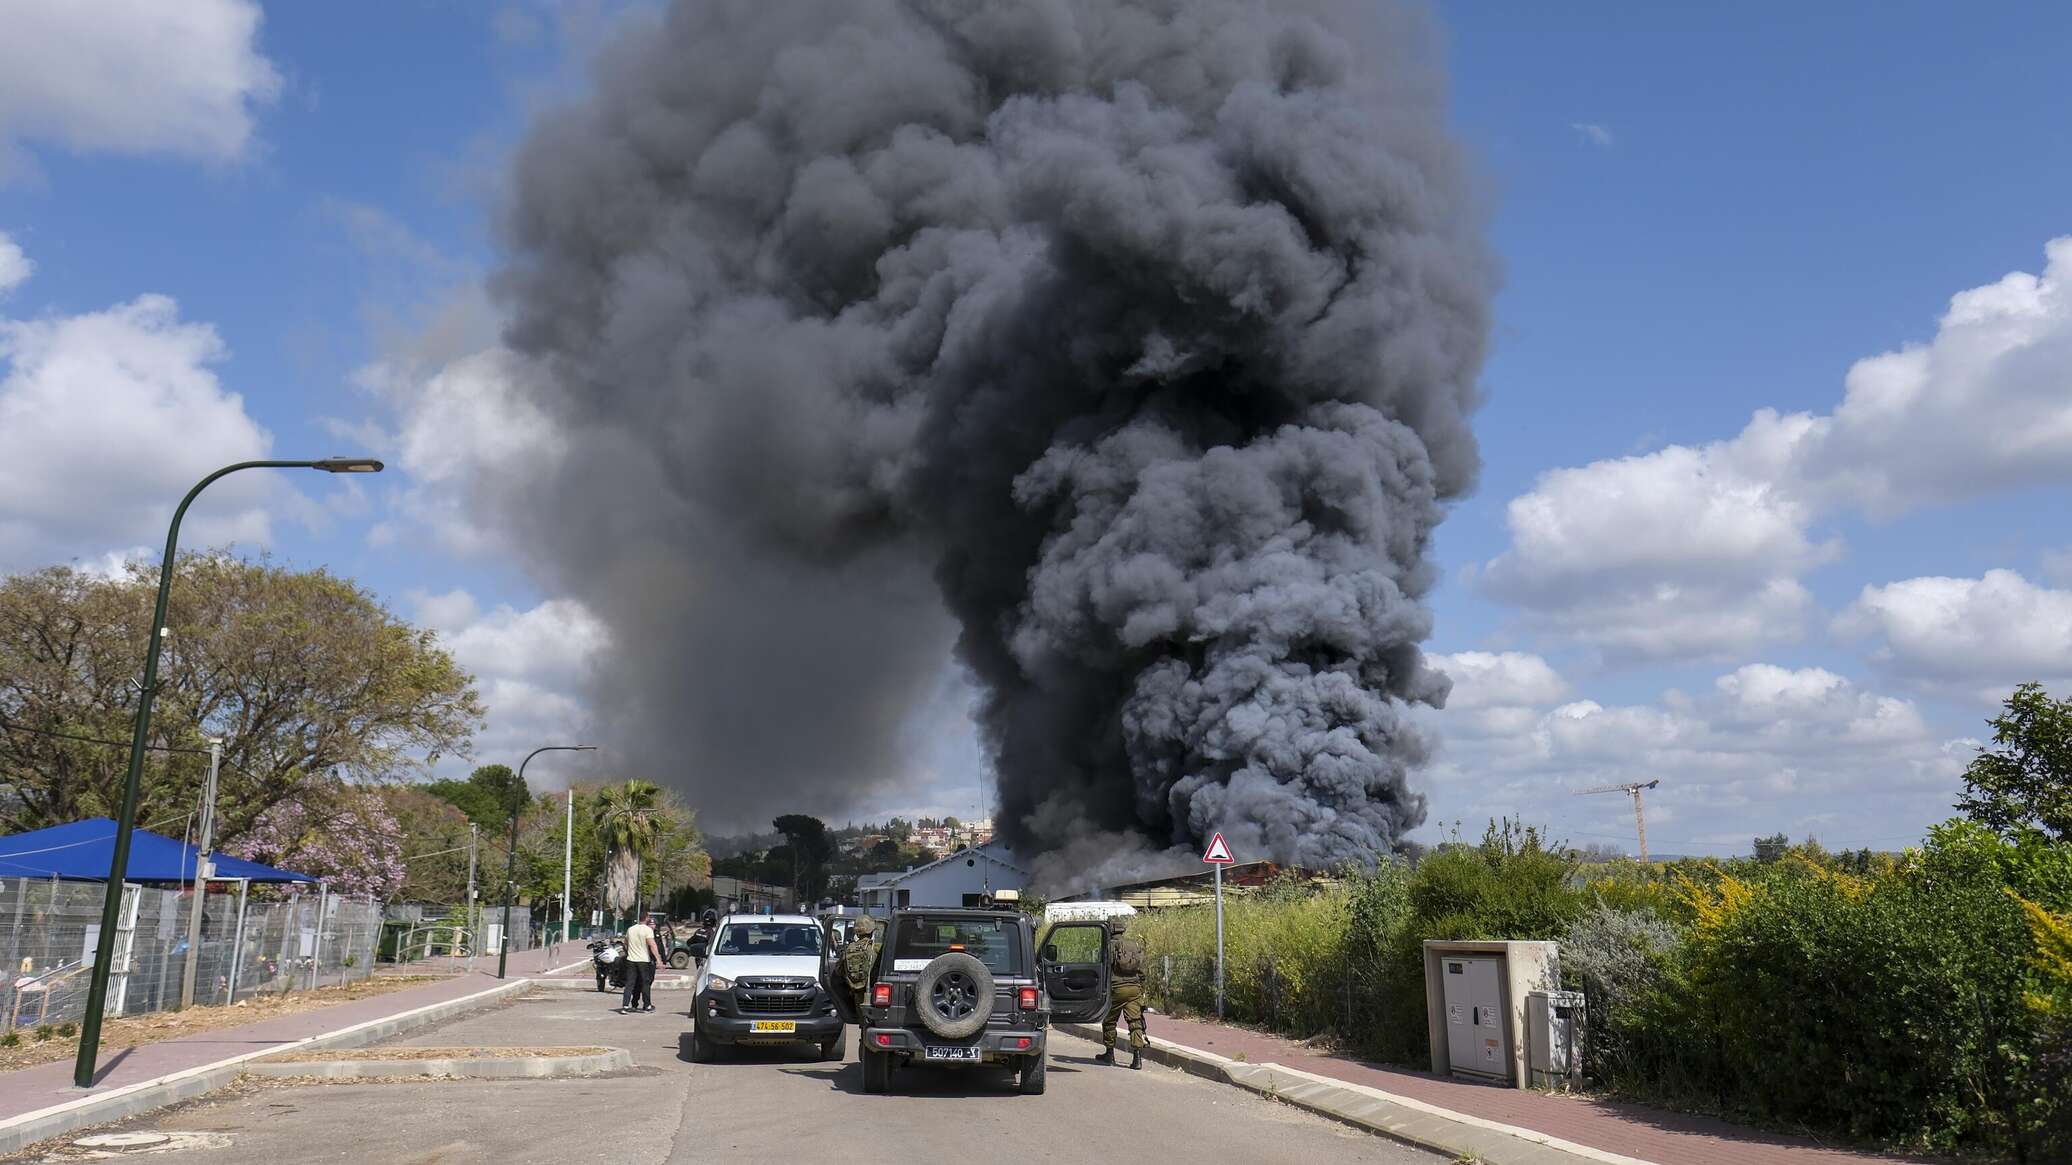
(642, 955)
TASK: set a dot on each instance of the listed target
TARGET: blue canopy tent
(83, 849)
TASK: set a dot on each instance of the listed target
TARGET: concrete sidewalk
(1615, 1128)
(44, 1087)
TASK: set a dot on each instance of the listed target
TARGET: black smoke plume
(1141, 335)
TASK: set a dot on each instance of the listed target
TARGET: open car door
(1075, 971)
(836, 983)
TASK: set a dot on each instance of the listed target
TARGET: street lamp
(126, 820)
(503, 947)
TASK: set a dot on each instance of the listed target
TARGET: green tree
(810, 849)
(490, 796)
(435, 839)
(629, 823)
(300, 672)
(2025, 783)
(1771, 848)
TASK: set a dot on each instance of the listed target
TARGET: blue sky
(1700, 214)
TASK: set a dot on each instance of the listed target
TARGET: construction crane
(1640, 821)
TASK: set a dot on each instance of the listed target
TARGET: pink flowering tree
(333, 831)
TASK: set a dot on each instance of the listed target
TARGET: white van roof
(1086, 911)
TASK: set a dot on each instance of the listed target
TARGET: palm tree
(629, 823)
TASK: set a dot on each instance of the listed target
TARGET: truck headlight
(719, 983)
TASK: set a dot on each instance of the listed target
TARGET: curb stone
(20, 1132)
(1400, 1118)
(452, 1067)
(673, 983)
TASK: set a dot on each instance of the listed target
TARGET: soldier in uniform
(858, 958)
(1126, 959)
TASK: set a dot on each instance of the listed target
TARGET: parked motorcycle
(608, 959)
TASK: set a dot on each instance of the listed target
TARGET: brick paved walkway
(27, 1090)
(1614, 1126)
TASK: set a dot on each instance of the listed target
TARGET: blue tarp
(83, 849)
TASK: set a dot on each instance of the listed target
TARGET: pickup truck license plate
(952, 1055)
(773, 1026)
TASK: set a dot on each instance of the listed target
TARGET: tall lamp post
(503, 946)
(126, 820)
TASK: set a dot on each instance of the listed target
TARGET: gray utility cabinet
(1473, 989)
(1475, 1000)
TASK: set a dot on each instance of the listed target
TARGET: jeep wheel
(836, 1048)
(1034, 1069)
(680, 959)
(954, 996)
(877, 1070)
(703, 1051)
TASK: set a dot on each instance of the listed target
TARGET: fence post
(237, 942)
(316, 950)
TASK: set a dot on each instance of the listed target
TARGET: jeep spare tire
(954, 996)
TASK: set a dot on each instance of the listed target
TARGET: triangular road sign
(1218, 852)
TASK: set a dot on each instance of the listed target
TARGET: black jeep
(963, 988)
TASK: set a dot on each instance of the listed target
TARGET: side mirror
(1050, 952)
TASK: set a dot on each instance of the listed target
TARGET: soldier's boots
(1107, 1057)
(1137, 1058)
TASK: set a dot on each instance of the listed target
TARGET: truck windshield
(996, 942)
(768, 938)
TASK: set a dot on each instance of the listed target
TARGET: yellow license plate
(773, 1026)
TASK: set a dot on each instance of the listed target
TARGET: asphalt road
(772, 1106)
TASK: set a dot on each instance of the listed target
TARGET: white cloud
(1593, 133)
(1765, 747)
(132, 77)
(15, 267)
(1987, 634)
(106, 419)
(458, 426)
(1697, 550)
(530, 665)
(1484, 679)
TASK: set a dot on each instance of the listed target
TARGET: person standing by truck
(642, 957)
(858, 958)
(1126, 958)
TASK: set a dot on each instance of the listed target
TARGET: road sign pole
(1219, 939)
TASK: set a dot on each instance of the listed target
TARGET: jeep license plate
(951, 1055)
(765, 1027)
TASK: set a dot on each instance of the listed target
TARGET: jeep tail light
(881, 995)
(1022, 1044)
(884, 1039)
(1025, 999)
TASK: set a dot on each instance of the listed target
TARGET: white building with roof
(963, 878)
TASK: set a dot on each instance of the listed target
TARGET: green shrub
(67, 1030)
(1620, 960)
(11, 1040)
(1902, 996)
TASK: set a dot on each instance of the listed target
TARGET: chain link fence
(248, 946)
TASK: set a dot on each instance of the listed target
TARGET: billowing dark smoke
(1150, 328)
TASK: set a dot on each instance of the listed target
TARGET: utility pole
(203, 867)
(568, 859)
(468, 912)
(1640, 821)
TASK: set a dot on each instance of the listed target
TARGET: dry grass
(159, 1026)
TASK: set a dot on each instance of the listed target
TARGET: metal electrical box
(1553, 1036)
(1475, 1037)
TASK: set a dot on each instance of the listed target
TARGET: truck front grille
(773, 1002)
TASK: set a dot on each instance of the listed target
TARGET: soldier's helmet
(1119, 924)
(709, 917)
(866, 926)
